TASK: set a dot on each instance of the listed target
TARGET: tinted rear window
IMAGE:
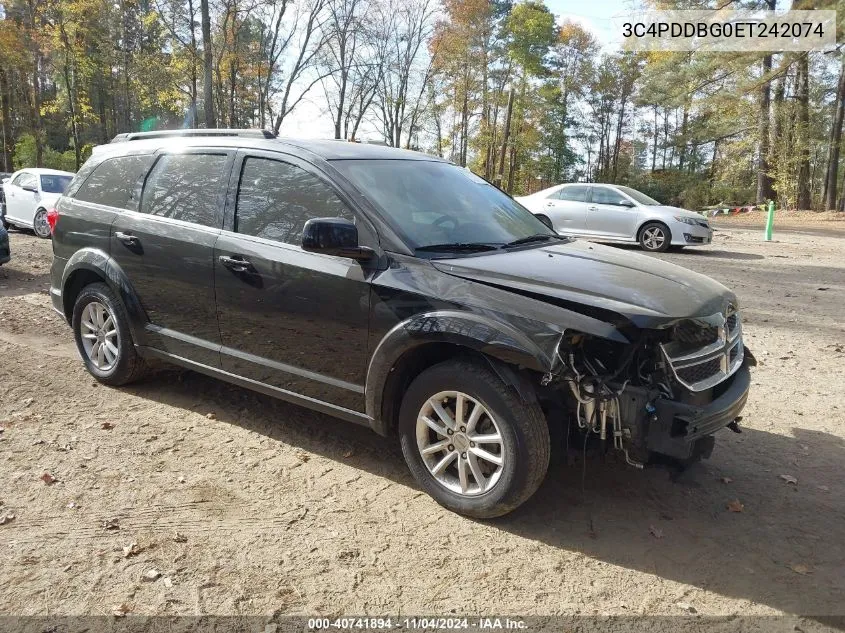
(114, 181)
(186, 187)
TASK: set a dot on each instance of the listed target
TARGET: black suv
(396, 290)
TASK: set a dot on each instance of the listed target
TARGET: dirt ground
(241, 504)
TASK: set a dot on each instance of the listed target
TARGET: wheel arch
(645, 223)
(89, 265)
(420, 342)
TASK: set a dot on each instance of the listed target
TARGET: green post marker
(770, 220)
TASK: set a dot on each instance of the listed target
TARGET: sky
(310, 119)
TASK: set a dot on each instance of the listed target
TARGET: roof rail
(137, 136)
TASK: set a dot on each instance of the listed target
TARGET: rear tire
(480, 479)
(40, 225)
(655, 237)
(101, 330)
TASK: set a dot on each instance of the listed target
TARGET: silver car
(615, 213)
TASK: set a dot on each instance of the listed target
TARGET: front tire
(101, 330)
(655, 237)
(40, 224)
(470, 441)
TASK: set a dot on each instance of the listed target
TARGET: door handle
(237, 264)
(126, 238)
(592, 207)
(550, 204)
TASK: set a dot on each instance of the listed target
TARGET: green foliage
(532, 31)
(25, 153)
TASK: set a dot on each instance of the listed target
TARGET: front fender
(100, 263)
(494, 338)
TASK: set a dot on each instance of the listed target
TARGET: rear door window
(576, 193)
(114, 181)
(276, 199)
(186, 187)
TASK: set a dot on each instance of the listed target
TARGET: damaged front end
(665, 393)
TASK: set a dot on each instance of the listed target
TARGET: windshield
(431, 203)
(638, 196)
(52, 183)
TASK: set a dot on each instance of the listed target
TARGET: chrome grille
(705, 358)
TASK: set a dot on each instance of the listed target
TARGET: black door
(294, 320)
(166, 248)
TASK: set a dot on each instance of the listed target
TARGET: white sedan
(615, 213)
(30, 193)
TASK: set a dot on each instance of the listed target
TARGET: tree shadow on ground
(785, 549)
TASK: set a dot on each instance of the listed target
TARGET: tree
(208, 66)
(835, 141)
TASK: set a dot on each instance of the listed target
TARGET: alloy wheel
(40, 224)
(653, 238)
(99, 336)
(460, 443)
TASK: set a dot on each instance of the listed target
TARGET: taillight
(52, 218)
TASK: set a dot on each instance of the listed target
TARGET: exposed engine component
(630, 394)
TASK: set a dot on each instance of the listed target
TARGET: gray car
(615, 213)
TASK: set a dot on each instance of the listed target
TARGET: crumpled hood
(643, 289)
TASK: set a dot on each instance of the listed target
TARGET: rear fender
(99, 263)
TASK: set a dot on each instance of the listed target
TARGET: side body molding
(491, 337)
(99, 263)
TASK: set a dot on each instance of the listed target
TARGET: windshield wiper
(539, 237)
(466, 247)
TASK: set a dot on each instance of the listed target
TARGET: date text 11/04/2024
(417, 623)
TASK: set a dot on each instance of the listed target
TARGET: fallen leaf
(120, 610)
(48, 479)
(656, 532)
(179, 538)
(107, 426)
(789, 479)
(181, 479)
(800, 568)
(111, 524)
(6, 518)
(131, 550)
(726, 480)
(735, 506)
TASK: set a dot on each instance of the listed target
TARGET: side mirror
(333, 236)
(626, 203)
(30, 188)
